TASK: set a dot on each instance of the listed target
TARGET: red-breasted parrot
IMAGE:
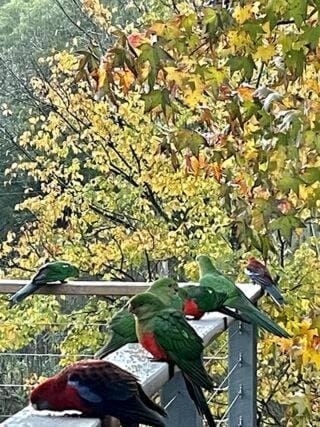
(122, 325)
(198, 300)
(166, 334)
(98, 388)
(260, 275)
(52, 272)
(229, 295)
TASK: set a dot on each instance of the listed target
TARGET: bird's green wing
(50, 272)
(56, 271)
(218, 282)
(122, 331)
(182, 344)
(123, 324)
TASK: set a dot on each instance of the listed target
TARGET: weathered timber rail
(154, 376)
(79, 288)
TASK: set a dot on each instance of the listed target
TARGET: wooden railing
(154, 376)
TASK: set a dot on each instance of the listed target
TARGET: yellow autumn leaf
(174, 75)
(311, 356)
(265, 53)
(158, 27)
(242, 14)
(193, 97)
(33, 120)
(102, 76)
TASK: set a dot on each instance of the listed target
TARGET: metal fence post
(242, 386)
(180, 408)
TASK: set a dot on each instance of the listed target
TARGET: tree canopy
(195, 133)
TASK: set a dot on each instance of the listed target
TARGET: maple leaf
(137, 39)
(265, 53)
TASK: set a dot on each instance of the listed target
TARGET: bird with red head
(260, 275)
(98, 388)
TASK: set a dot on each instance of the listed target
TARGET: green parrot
(56, 271)
(122, 325)
(198, 300)
(229, 295)
(165, 333)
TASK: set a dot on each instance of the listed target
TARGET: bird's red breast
(191, 308)
(149, 342)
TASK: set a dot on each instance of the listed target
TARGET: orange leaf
(195, 165)
(202, 161)
(137, 39)
(246, 92)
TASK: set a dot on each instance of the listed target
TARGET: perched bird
(122, 325)
(56, 271)
(233, 297)
(198, 300)
(98, 388)
(260, 275)
(166, 334)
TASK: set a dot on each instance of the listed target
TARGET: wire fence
(20, 370)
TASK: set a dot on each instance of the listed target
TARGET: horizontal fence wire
(42, 352)
(221, 348)
(20, 369)
(46, 354)
(54, 323)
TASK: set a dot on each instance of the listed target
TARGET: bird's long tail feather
(275, 294)
(144, 411)
(249, 311)
(197, 374)
(112, 345)
(23, 293)
(199, 400)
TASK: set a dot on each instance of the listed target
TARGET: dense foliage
(195, 133)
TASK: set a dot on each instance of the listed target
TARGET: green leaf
(298, 10)
(317, 4)
(154, 55)
(245, 64)
(286, 224)
(187, 138)
(121, 58)
(295, 60)
(288, 183)
(254, 29)
(155, 98)
(211, 22)
(189, 21)
(311, 175)
(311, 35)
